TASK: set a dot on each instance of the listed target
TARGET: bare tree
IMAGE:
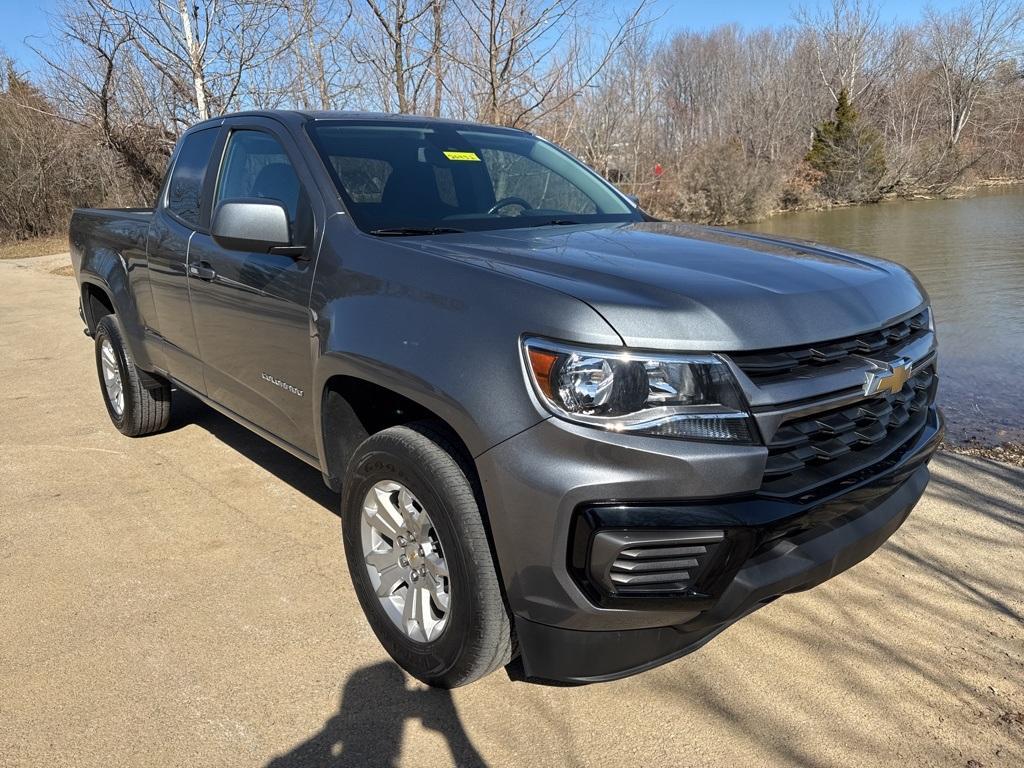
(194, 53)
(967, 45)
(105, 89)
(391, 44)
(848, 42)
(617, 127)
(203, 53)
(526, 59)
(320, 58)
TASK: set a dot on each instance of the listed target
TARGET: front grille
(766, 365)
(809, 451)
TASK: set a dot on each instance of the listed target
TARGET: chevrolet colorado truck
(562, 431)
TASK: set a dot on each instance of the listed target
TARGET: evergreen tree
(849, 154)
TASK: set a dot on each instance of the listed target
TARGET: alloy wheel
(405, 562)
(112, 377)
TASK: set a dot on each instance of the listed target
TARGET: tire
(145, 403)
(474, 637)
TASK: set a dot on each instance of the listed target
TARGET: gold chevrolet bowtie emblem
(887, 377)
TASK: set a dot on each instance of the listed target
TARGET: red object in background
(658, 170)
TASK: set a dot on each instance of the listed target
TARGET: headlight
(685, 396)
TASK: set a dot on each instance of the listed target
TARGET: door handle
(202, 270)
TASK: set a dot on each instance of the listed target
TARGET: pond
(969, 254)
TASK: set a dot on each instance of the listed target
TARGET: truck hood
(666, 285)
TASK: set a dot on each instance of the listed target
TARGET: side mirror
(634, 199)
(251, 224)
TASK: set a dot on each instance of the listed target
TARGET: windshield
(424, 179)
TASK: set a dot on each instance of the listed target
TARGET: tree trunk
(438, 61)
(195, 60)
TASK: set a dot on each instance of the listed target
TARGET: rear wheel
(419, 558)
(137, 403)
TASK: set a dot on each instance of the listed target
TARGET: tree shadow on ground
(928, 624)
(297, 473)
(367, 729)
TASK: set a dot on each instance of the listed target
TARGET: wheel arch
(106, 289)
(352, 408)
(96, 302)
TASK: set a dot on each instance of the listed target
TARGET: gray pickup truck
(562, 431)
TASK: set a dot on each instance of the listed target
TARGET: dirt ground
(182, 600)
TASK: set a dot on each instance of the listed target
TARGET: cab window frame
(203, 222)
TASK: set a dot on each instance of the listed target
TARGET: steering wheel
(511, 200)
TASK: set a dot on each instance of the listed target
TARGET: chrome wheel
(112, 377)
(405, 562)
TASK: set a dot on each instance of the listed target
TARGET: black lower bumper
(845, 528)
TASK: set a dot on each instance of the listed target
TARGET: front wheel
(419, 558)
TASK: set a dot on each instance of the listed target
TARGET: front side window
(256, 165)
(185, 187)
(436, 176)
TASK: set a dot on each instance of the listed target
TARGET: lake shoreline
(958, 192)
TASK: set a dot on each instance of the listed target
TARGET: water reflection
(969, 254)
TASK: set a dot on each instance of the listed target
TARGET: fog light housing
(631, 563)
(651, 555)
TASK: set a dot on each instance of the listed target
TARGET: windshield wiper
(555, 223)
(406, 231)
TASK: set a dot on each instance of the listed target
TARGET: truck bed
(95, 232)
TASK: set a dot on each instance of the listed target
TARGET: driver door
(251, 310)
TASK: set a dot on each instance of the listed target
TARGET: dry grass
(65, 271)
(37, 246)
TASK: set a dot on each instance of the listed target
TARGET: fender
(108, 270)
(399, 381)
(426, 327)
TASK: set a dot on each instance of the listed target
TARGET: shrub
(48, 166)
(721, 184)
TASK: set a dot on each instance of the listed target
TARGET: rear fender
(105, 269)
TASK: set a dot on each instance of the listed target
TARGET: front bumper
(537, 484)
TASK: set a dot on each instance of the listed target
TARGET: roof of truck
(302, 115)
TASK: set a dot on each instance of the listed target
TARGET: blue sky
(766, 13)
(21, 20)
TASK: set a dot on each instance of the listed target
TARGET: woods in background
(719, 126)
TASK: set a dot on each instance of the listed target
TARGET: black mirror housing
(251, 224)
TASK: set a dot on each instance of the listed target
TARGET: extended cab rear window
(185, 187)
(395, 176)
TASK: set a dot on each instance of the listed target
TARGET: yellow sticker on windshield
(452, 155)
